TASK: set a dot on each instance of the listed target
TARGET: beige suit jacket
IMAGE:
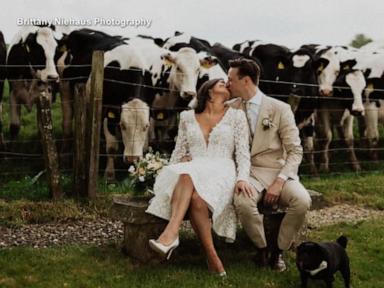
(276, 149)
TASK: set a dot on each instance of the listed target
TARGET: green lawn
(365, 189)
(20, 196)
(85, 266)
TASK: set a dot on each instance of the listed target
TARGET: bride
(202, 173)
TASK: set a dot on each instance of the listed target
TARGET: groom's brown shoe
(277, 262)
(261, 259)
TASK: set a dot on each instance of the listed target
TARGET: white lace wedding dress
(212, 168)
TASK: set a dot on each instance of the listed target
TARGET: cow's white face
(185, 71)
(46, 40)
(328, 74)
(186, 68)
(356, 81)
(134, 124)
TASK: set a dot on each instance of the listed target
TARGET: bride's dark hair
(203, 94)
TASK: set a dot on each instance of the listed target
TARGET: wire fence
(20, 158)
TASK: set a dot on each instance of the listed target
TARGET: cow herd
(148, 80)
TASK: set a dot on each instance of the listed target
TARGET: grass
(87, 266)
(25, 201)
(28, 129)
(366, 190)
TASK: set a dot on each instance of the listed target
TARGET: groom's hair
(246, 67)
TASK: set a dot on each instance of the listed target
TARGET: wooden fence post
(96, 101)
(88, 107)
(44, 120)
(80, 155)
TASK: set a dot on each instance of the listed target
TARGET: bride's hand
(244, 187)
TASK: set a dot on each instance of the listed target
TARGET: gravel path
(97, 232)
(103, 231)
(340, 213)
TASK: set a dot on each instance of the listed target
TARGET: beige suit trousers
(294, 197)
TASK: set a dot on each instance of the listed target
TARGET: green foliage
(360, 40)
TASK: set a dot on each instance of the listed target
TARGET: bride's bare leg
(199, 216)
(180, 202)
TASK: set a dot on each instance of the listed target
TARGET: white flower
(141, 178)
(267, 123)
(131, 169)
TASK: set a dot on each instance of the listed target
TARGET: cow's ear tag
(280, 66)
(27, 48)
(346, 67)
(111, 115)
(370, 87)
(321, 67)
(206, 64)
(160, 116)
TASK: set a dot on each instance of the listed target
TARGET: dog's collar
(323, 265)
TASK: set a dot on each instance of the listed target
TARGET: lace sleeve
(242, 152)
(181, 147)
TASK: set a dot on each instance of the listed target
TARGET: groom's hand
(273, 192)
(244, 187)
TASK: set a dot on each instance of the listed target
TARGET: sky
(287, 22)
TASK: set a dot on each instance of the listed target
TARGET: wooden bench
(139, 226)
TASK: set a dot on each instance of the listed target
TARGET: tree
(360, 40)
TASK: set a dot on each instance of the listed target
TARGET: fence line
(141, 70)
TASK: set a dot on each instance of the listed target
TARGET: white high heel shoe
(163, 249)
(219, 274)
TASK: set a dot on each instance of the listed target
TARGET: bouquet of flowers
(143, 172)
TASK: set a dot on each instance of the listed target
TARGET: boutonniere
(267, 123)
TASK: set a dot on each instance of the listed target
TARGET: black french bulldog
(322, 261)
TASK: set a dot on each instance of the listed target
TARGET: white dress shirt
(253, 109)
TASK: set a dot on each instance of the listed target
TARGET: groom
(276, 154)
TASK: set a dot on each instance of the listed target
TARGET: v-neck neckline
(206, 141)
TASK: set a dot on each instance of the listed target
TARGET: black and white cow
(3, 55)
(213, 67)
(371, 63)
(124, 72)
(225, 54)
(334, 69)
(303, 99)
(337, 111)
(137, 71)
(74, 65)
(31, 69)
(275, 60)
(210, 68)
(331, 61)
